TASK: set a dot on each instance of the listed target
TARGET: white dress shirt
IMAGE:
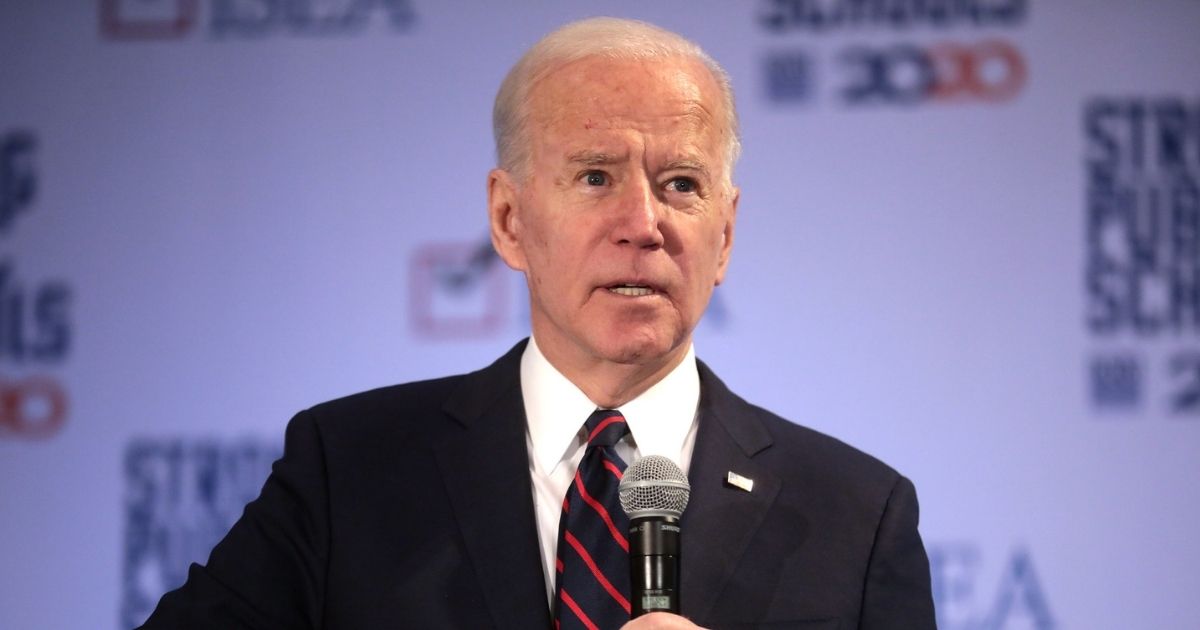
(662, 421)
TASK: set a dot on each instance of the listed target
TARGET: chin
(637, 348)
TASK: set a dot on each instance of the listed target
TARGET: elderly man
(485, 500)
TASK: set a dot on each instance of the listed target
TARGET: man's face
(623, 223)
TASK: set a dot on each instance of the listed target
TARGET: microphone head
(654, 486)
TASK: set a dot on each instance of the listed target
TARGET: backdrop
(968, 243)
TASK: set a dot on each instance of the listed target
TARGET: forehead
(582, 100)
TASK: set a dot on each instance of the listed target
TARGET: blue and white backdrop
(969, 243)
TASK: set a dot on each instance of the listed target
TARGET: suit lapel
(721, 519)
(485, 468)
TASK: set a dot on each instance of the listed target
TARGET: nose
(639, 217)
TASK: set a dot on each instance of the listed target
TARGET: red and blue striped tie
(592, 589)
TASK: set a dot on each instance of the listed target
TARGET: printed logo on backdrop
(1142, 271)
(974, 591)
(463, 290)
(822, 16)
(35, 323)
(961, 70)
(176, 19)
(458, 290)
(181, 497)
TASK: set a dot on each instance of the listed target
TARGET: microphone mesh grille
(654, 485)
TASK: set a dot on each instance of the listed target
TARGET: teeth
(632, 291)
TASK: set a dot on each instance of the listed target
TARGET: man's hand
(660, 621)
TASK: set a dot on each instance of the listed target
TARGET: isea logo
(147, 19)
(174, 19)
(970, 593)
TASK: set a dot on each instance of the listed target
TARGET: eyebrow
(687, 164)
(588, 157)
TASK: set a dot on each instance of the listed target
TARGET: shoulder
(415, 410)
(817, 453)
(817, 462)
(392, 402)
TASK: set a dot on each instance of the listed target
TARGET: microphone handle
(654, 565)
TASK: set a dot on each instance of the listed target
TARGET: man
(455, 503)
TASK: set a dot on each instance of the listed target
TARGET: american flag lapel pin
(738, 481)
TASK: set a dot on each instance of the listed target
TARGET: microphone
(654, 493)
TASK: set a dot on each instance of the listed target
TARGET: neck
(610, 384)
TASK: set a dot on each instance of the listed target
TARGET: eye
(682, 185)
(595, 178)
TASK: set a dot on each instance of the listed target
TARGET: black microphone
(654, 493)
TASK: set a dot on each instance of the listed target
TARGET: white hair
(612, 38)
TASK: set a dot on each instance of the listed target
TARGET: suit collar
(721, 519)
(493, 502)
(735, 416)
(491, 495)
(481, 389)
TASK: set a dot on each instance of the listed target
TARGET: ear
(727, 235)
(504, 218)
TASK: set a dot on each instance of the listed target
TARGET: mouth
(631, 290)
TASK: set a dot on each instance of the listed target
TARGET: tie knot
(605, 427)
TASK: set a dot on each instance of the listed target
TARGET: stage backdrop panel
(968, 242)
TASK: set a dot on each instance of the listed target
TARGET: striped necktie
(592, 589)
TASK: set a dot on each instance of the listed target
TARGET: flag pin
(738, 481)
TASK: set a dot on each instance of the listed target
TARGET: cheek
(705, 264)
(534, 241)
(548, 263)
(542, 253)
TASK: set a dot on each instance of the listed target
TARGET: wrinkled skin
(627, 185)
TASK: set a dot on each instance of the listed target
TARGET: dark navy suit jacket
(411, 507)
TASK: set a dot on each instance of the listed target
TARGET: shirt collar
(659, 419)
